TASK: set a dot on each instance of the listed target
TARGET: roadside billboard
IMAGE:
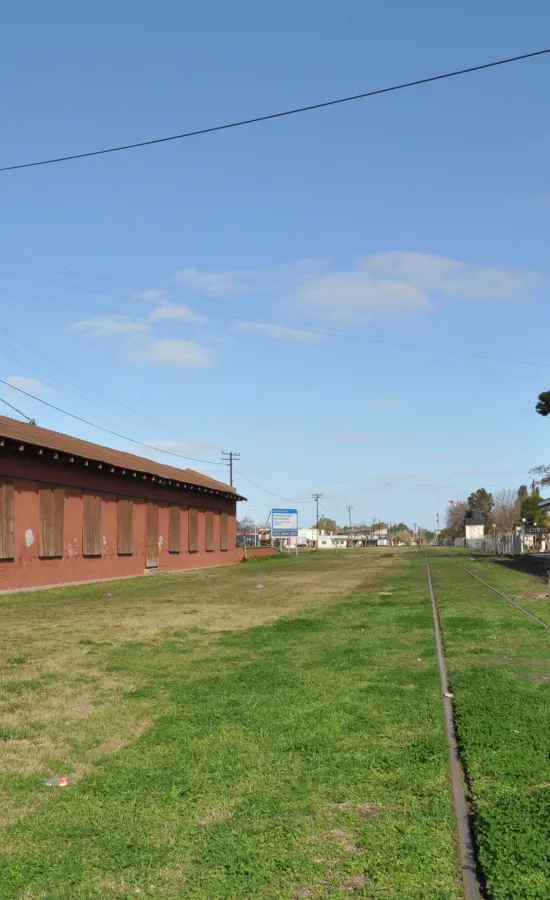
(284, 522)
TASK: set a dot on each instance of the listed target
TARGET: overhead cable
(278, 115)
(70, 377)
(277, 497)
(18, 411)
(108, 430)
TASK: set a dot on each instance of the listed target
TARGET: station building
(72, 512)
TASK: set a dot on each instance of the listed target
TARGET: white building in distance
(474, 524)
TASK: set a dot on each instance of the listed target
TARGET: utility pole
(229, 456)
(317, 497)
(349, 509)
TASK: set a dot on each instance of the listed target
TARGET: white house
(333, 541)
(474, 524)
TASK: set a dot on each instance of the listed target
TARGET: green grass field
(499, 668)
(230, 741)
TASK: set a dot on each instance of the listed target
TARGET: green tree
(523, 492)
(530, 509)
(481, 500)
(455, 519)
(543, 406)
(325, 524)
(542, 474)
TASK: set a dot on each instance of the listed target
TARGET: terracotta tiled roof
(35, 436)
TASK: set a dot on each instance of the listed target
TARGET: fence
(494, 544)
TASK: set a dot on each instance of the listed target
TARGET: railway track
(466, 839)
(504, 597)
(466, 842)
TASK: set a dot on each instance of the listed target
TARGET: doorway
(152, 537)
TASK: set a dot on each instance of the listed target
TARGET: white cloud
(401, 281)
(228, 282)
(32, 385)
(109, 326)
(384, 401)
(491, 472)
(176, 352)
(347, 294)
(449, 276)
(153, 295)
(175, 312)
(354, 438)
(279, 332)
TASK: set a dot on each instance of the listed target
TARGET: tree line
(509, 507)
(398, 532)
(502, 511)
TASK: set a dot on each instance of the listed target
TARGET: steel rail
(468, 867)
(504, 597)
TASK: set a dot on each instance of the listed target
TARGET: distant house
(377, 538)
(474, 524)
(333, 541)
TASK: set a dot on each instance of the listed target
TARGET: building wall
(255, 552)
(474, 532)
(28, 569)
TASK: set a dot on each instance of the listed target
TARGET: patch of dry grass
(62, 710)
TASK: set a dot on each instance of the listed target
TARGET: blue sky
(355, 298)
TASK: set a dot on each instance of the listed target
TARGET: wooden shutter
(224, 540)
(209, 527)
(174, 531)
(52, 502)
(6, 521)
(193, 530)
(125, 526)
(92, 532)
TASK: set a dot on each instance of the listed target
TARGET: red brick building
(72, 511)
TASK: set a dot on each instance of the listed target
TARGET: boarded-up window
(92, 532)
(6, 521)
(209, 527)
(125, 526)
(174, 531)
(193, 530)
(224, 540)
(52, 502)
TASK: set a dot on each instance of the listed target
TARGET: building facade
(474, 524)
(72, 511)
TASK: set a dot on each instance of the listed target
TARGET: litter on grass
(60, 781)
(259, 585)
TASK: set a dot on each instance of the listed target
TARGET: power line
(315, 497)
(313, 328)
(108, 430)
(278, 115)
(277, 496)
(71, 376)
(18, 411)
